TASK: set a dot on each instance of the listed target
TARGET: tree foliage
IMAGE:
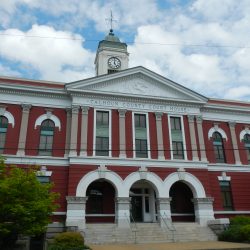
(26, 205)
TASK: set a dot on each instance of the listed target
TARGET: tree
(26, 205)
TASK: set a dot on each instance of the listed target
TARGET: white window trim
(243, 133)
(49, 116)
(183, 137)
(148, 138)
(110, 132)
(217, 129)
(224, 177)
(9, 117)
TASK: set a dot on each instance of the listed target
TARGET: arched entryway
(142, 202)
(100, 206)
(182, 207)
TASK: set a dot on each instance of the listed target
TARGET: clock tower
(111, 55)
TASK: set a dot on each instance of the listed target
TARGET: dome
(111, 37)
(112, 41)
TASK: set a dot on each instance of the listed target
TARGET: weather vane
(111, 20)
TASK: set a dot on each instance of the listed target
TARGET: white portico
(142, 195)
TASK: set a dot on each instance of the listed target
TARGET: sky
(201, 44)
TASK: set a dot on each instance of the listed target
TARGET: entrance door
(182, 207)
(100, 206)
(136, 208)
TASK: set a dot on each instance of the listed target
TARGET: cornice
(225, 109)
(133, 162)
(51, 93)
(37, 91)
(228, 168)
(138, 162)
(37, 160)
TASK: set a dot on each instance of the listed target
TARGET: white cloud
(194, 70)
(217, 10)
(53, 59)
(7, 71)
(212, 71)
(128, 13)
(242, 92)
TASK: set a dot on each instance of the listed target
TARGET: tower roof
(111, 37)
(112, 41)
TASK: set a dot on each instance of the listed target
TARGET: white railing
(133, 228)
(168, 224)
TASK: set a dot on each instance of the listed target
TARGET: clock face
(114, 63)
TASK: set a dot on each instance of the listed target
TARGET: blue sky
(203, 45)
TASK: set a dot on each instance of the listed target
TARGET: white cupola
(111, 55)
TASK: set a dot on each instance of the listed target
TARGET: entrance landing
(210, 245)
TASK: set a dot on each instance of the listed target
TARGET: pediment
(139, 83)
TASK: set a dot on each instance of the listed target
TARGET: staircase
(146, 233)
(193, 232)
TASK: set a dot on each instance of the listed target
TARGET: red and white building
(129, 142)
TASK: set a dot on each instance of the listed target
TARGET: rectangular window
(141, 140)
(248, 154)
(219, 153)
(177, 138)
(2, 140)
(178, 152)
(175, 123)
(46, 143)
(226, 195)
(112, 71)
(247, 146)
(102, 133)
(146, 204)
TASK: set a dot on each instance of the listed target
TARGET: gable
(136, 83)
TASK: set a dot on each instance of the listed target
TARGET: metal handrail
(170, 221)
(135, 226)
(170, 227)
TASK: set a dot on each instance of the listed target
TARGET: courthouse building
(129, 143)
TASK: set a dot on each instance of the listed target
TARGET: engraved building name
(136, 106)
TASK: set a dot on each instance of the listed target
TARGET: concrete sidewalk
(210, 245)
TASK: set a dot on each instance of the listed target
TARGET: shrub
(245, 231)
(68, 241)
(231, 234)
(240, 220)
(238, 231)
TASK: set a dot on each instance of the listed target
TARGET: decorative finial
(111, 20)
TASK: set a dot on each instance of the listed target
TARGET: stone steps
(146, 233)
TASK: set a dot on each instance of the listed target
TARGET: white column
(68, 130)
(193, 138)
(23, 129)
(122, 135)
(76, 212)
(201, 138)
(235, 144)
(163, 210)
(160, 146)
(84, 131)
(74, 130)
(123, 212)
(203, 208)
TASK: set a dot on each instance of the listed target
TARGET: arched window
(46, 137)
(3, 131)
(218, 147)
(247, 145)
